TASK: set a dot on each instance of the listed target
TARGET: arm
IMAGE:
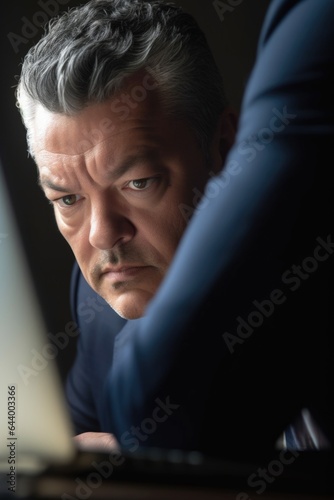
(240, 249)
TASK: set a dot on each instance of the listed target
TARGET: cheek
(75, 236)
(165, 231)
(65, 230)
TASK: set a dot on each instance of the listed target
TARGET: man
(126, 125)
(255, 259)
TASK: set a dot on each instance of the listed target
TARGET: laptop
(38, 457)
(34, 425)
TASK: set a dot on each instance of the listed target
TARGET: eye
(68, 201)
(141, 184)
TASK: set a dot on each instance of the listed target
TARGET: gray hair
(86, 53)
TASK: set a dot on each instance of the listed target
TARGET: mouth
(123, 273)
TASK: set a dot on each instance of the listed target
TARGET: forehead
(108, 136)
(114, 119)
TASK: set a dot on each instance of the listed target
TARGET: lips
(122, 273)
(119, 269)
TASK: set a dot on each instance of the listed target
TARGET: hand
(96, 441)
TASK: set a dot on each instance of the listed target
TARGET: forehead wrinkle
(89, 138)
(131, 161)
(70, 152)
(99, 163)
(54, 153)
(56, 170)
(90, 143)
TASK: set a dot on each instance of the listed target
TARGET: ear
(224, 137)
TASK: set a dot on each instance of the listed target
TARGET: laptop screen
(35, 429)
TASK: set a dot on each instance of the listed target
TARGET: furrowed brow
(46, 183)
(131, 162)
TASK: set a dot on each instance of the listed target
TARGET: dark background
(233, 40)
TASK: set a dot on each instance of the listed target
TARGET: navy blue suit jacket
(256, 260)
(98, 325)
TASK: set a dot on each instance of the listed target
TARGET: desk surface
(99, 476)
(59, 489)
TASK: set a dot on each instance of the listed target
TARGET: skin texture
(117, 182)
(97, 441)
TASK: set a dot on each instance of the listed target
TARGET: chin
(129, 309)
(128, 315)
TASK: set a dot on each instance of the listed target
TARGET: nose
(109, 225)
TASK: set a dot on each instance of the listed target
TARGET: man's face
(117, 181)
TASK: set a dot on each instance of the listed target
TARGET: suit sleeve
(237, 340)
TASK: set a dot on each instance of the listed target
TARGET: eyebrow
(131, 162)
(49, 184)
(128, 164)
